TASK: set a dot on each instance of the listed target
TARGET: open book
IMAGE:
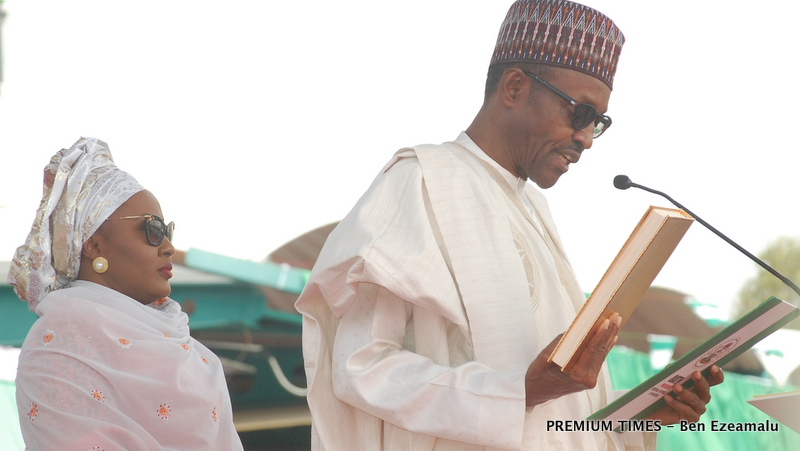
(622, 286)
(720, 349)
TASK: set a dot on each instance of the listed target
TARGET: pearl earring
(100, 265)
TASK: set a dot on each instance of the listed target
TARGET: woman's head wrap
(82, 188)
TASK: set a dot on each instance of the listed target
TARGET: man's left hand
(689, 404)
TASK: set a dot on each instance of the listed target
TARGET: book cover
(723, 347)
(627, 278)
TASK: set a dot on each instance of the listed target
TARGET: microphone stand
(789, 283)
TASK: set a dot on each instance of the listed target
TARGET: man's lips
(567, 159)
(569, 156)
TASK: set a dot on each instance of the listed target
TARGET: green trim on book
(697, 352)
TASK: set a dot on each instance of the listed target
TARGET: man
(433, 307)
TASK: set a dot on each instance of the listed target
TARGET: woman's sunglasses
(154, 228)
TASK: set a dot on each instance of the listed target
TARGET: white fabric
(517, 184)
(426, 306)
(99, 370)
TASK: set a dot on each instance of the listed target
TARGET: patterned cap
(560, 33)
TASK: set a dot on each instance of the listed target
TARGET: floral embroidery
(48, 336)
(205, 360)
(125, 343)
(185, 346)
(164, 412)
(167, 336)
(214, 414)
(34, 411)
(96, 448)
(98, 395)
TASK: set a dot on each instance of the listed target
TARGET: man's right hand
(545, 380)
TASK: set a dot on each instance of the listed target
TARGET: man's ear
(513, 87)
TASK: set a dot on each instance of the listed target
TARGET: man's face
(544, 141)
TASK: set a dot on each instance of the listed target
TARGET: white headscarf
(82, 188)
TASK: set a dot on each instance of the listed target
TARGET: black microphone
(624, 182)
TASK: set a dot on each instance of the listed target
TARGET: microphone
(624, 182)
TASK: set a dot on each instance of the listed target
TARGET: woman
(109, 364)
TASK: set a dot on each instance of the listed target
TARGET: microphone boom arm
(775, 273)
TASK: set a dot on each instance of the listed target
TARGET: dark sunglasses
(154, 228)
(584, 115)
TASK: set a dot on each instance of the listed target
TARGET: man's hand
(545, 380)
(690, 404)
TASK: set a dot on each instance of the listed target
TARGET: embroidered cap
(560, 33)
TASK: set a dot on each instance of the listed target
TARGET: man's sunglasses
(154, 228)
(584, 115)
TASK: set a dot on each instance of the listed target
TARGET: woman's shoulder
(66, 304)
(78, 289)
(64, 298)
(88, 294)
(80, 307)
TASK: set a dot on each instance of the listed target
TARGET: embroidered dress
(100, 370)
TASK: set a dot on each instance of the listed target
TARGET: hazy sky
(254, 122)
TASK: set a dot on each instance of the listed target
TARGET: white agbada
(428, 303)
(101, 371)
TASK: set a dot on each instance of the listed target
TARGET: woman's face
(135, 268)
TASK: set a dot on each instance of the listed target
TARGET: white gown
(428, 303)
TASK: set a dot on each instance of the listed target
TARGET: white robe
(428, 303)
(101, 371)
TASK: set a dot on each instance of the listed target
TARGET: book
(625, 281)
(720, 349)
(783, 407)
